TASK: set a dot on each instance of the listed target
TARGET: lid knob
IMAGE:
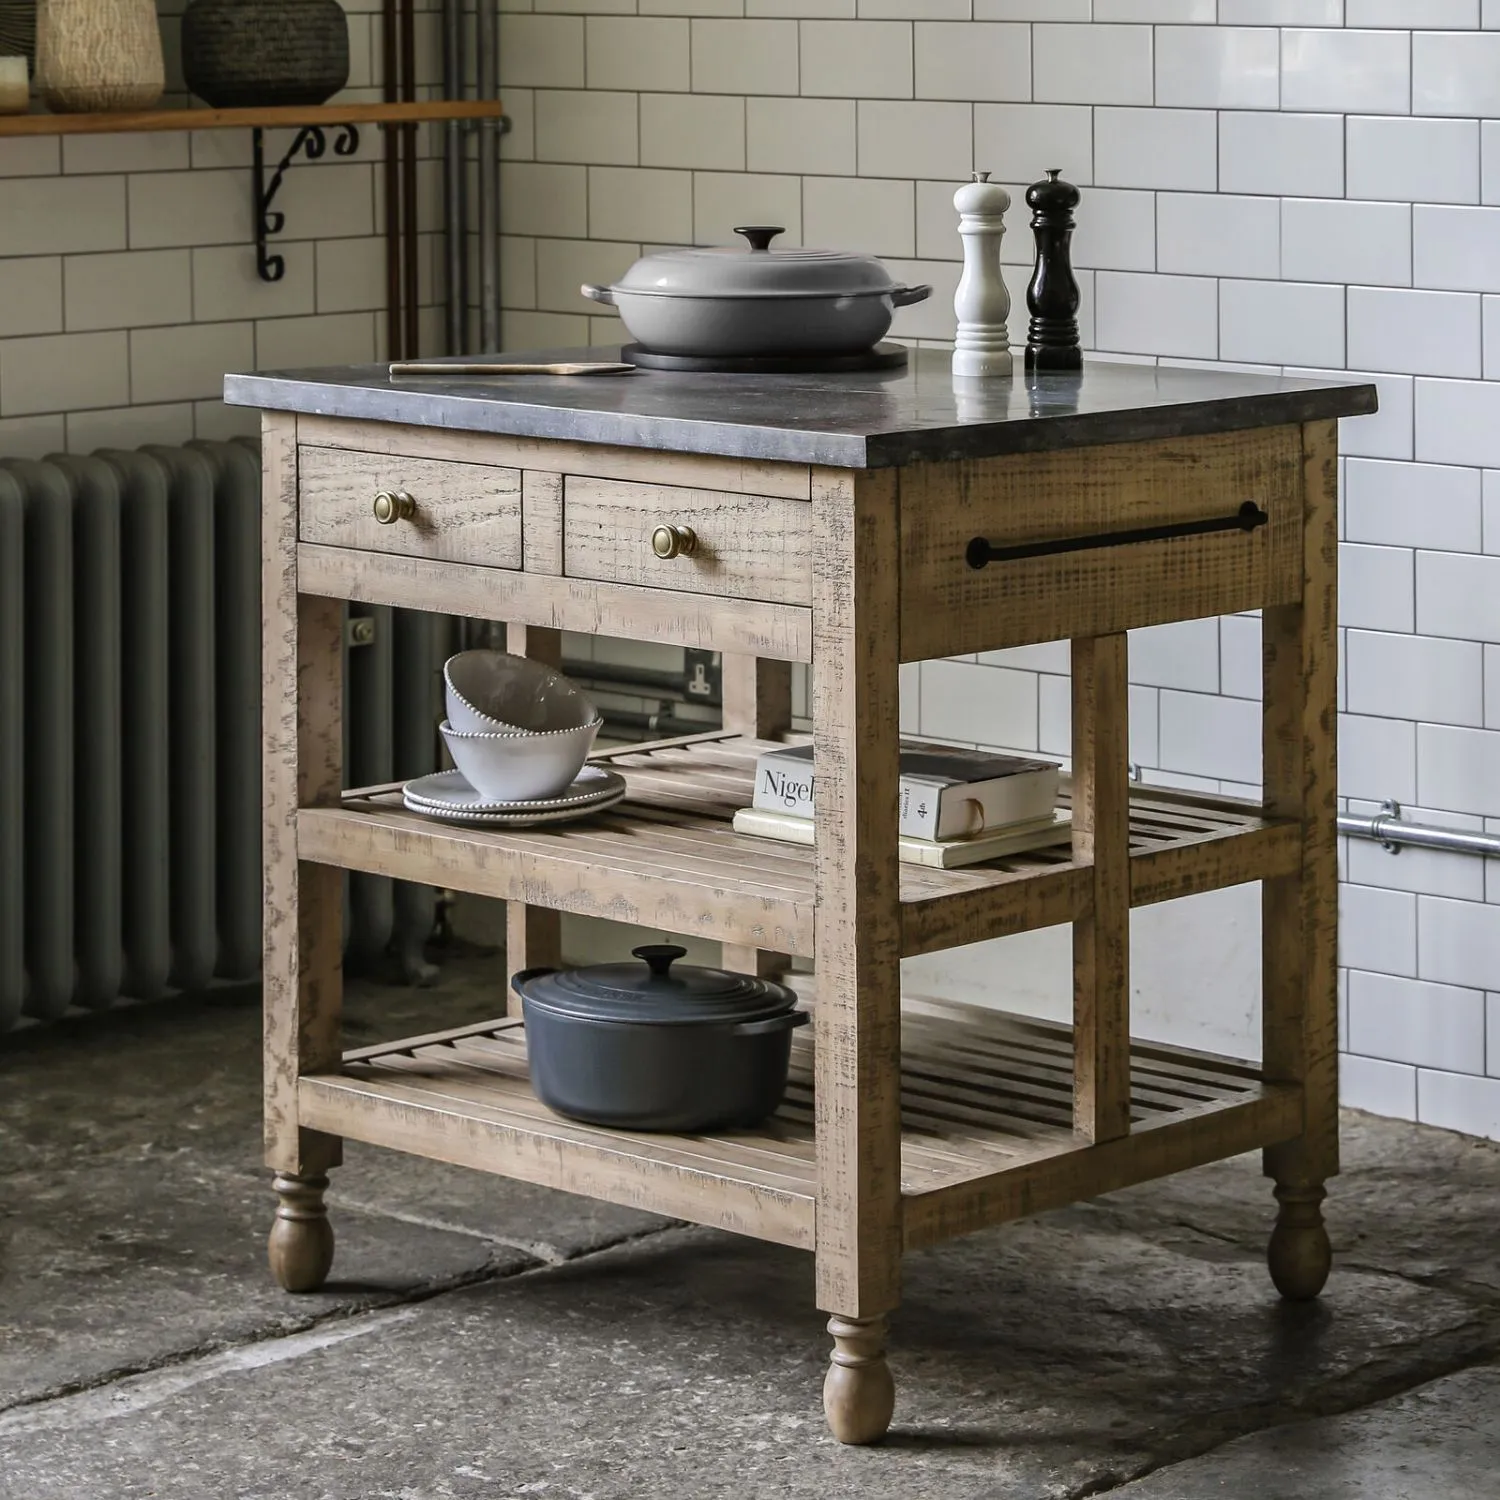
(760, 237)
(659, 957)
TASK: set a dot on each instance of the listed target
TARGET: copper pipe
(411, 294)
(455, 186)
(488, 39)
(395, 331)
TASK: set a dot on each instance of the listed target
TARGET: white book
(951, 854)
(944, 792)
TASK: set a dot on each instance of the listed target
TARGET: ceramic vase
(98, 54)
(249, 53)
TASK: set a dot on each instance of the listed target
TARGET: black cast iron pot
(649, 1047)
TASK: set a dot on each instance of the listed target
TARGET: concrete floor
(487, 1339)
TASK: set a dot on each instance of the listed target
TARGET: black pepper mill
(1052, 297)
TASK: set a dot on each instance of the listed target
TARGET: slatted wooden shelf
(668, 858)
(987, 1127)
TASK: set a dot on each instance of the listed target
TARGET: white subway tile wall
(127, 262)
(1294, 185)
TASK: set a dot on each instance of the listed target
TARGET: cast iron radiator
(130, 731)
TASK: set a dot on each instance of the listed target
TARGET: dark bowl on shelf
(248, 54)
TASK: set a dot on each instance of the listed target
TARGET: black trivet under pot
(883, 356)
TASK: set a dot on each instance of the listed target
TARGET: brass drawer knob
(674, 541)
(394, 505)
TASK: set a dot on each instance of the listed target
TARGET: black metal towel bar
(980, 553)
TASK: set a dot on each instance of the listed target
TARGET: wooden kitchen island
(855, 522)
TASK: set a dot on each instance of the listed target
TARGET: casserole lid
(654, 991)
(729, 271)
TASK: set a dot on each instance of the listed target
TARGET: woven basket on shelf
(98, 54)
(244, 53)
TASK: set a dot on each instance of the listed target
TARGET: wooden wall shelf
(311, 122)
(294, 117)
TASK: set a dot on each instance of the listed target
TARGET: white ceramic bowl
(496, 693)
(520, 767)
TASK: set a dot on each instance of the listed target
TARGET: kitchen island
(854, 522)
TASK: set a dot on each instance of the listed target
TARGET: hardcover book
(945, 792)
(953, 854)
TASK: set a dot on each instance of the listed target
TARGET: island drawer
(419, 507)
(698, 541)
(1049, 546)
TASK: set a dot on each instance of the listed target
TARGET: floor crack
(539, 1250)
(1354, 1392)
(490, 1273)
(410, 1297)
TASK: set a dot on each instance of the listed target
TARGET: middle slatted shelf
(668, 858)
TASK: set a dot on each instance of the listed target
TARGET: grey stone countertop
(855, 421)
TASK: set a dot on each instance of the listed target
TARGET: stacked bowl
(517, 730)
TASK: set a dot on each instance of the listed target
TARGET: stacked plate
(447, 795)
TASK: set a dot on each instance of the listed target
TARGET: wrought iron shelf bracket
(979, 553)
(311, 143)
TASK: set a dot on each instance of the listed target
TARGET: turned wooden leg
(857, 940)
(1299, 910)
(859, 1394)
(1299, 1254)
(300, 1248)
(302, 974)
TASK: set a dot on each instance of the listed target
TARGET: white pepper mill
(981, 302)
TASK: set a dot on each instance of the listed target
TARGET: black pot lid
(656, 991)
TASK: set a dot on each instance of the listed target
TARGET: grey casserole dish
(727, 303)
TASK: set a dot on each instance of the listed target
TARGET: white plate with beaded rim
(517, 819)
(450, 792)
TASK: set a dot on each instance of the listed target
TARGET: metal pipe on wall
(631, 724)
(1389, 828)
(488, 39)
(649, 682)
(455, 186)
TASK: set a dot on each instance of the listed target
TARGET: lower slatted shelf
(986, 1125)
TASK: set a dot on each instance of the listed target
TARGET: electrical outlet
(703, 678)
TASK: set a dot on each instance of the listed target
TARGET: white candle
(15, 86)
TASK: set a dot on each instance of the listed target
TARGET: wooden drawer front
(747, 546)
(949, 607)
(464, 512)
